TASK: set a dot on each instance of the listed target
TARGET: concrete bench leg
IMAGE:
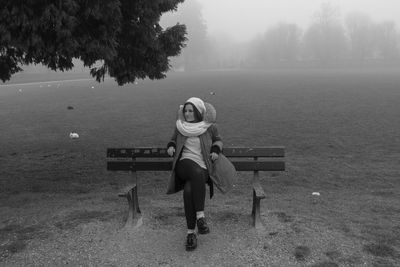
(134, 215)
(255, 213)
(258, 194)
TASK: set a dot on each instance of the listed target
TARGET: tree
(360, 29)
(282, 42)
(257, 54)
(325, 39)
(190, 14)
(387, 41)
(123, 35)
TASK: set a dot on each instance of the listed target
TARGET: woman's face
(188, 113)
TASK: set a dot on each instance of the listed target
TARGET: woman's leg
(190, 211)
(194, 193)
(198, 180)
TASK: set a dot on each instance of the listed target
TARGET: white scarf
(192, 129)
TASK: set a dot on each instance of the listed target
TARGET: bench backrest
(157, 159)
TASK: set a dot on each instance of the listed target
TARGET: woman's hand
(214, 156)
(171, 151)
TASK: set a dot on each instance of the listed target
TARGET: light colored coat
(208, 139)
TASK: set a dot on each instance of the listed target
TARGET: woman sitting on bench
(194, 145)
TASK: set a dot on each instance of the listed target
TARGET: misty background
(233, 34)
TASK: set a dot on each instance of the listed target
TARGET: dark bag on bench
(223, 173)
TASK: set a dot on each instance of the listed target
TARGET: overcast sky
(244, 19)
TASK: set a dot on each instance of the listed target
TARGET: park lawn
(340, 128)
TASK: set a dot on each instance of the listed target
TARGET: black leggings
(194, 193)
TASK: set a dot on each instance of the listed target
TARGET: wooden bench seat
(253, 159)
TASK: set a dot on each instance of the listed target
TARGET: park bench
(244, 159)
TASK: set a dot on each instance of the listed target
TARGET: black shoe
(202, 226)
(191, 242)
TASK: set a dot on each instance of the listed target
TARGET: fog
(230, 34)
(262, 33)
(243, 20)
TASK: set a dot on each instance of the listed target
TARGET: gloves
(171, 151)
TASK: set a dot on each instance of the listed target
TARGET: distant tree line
(127, 40)
(356, 40)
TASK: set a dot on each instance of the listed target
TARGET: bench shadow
(14, 238)
(79, 217)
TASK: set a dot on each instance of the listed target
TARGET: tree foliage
(387, 40)
(190, 14)
(325, 39)
(123, 35)
(360, 32)
(282, 42)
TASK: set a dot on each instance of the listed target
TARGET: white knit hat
(198, 103)
(207, 110)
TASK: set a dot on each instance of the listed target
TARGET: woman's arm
(172, 143)
(217, 144)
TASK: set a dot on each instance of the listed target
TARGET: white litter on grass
(73, 135)
(212, 93)
(316, 194)
(92, 87)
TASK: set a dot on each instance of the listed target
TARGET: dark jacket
(210, 141)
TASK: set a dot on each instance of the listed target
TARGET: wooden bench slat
(139, 152)
(139, 166)
(167, 165)
(148, 152)
(272, 151)
(259, 165)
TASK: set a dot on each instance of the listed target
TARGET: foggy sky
(244, 19)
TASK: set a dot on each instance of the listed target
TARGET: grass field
(341, 133)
